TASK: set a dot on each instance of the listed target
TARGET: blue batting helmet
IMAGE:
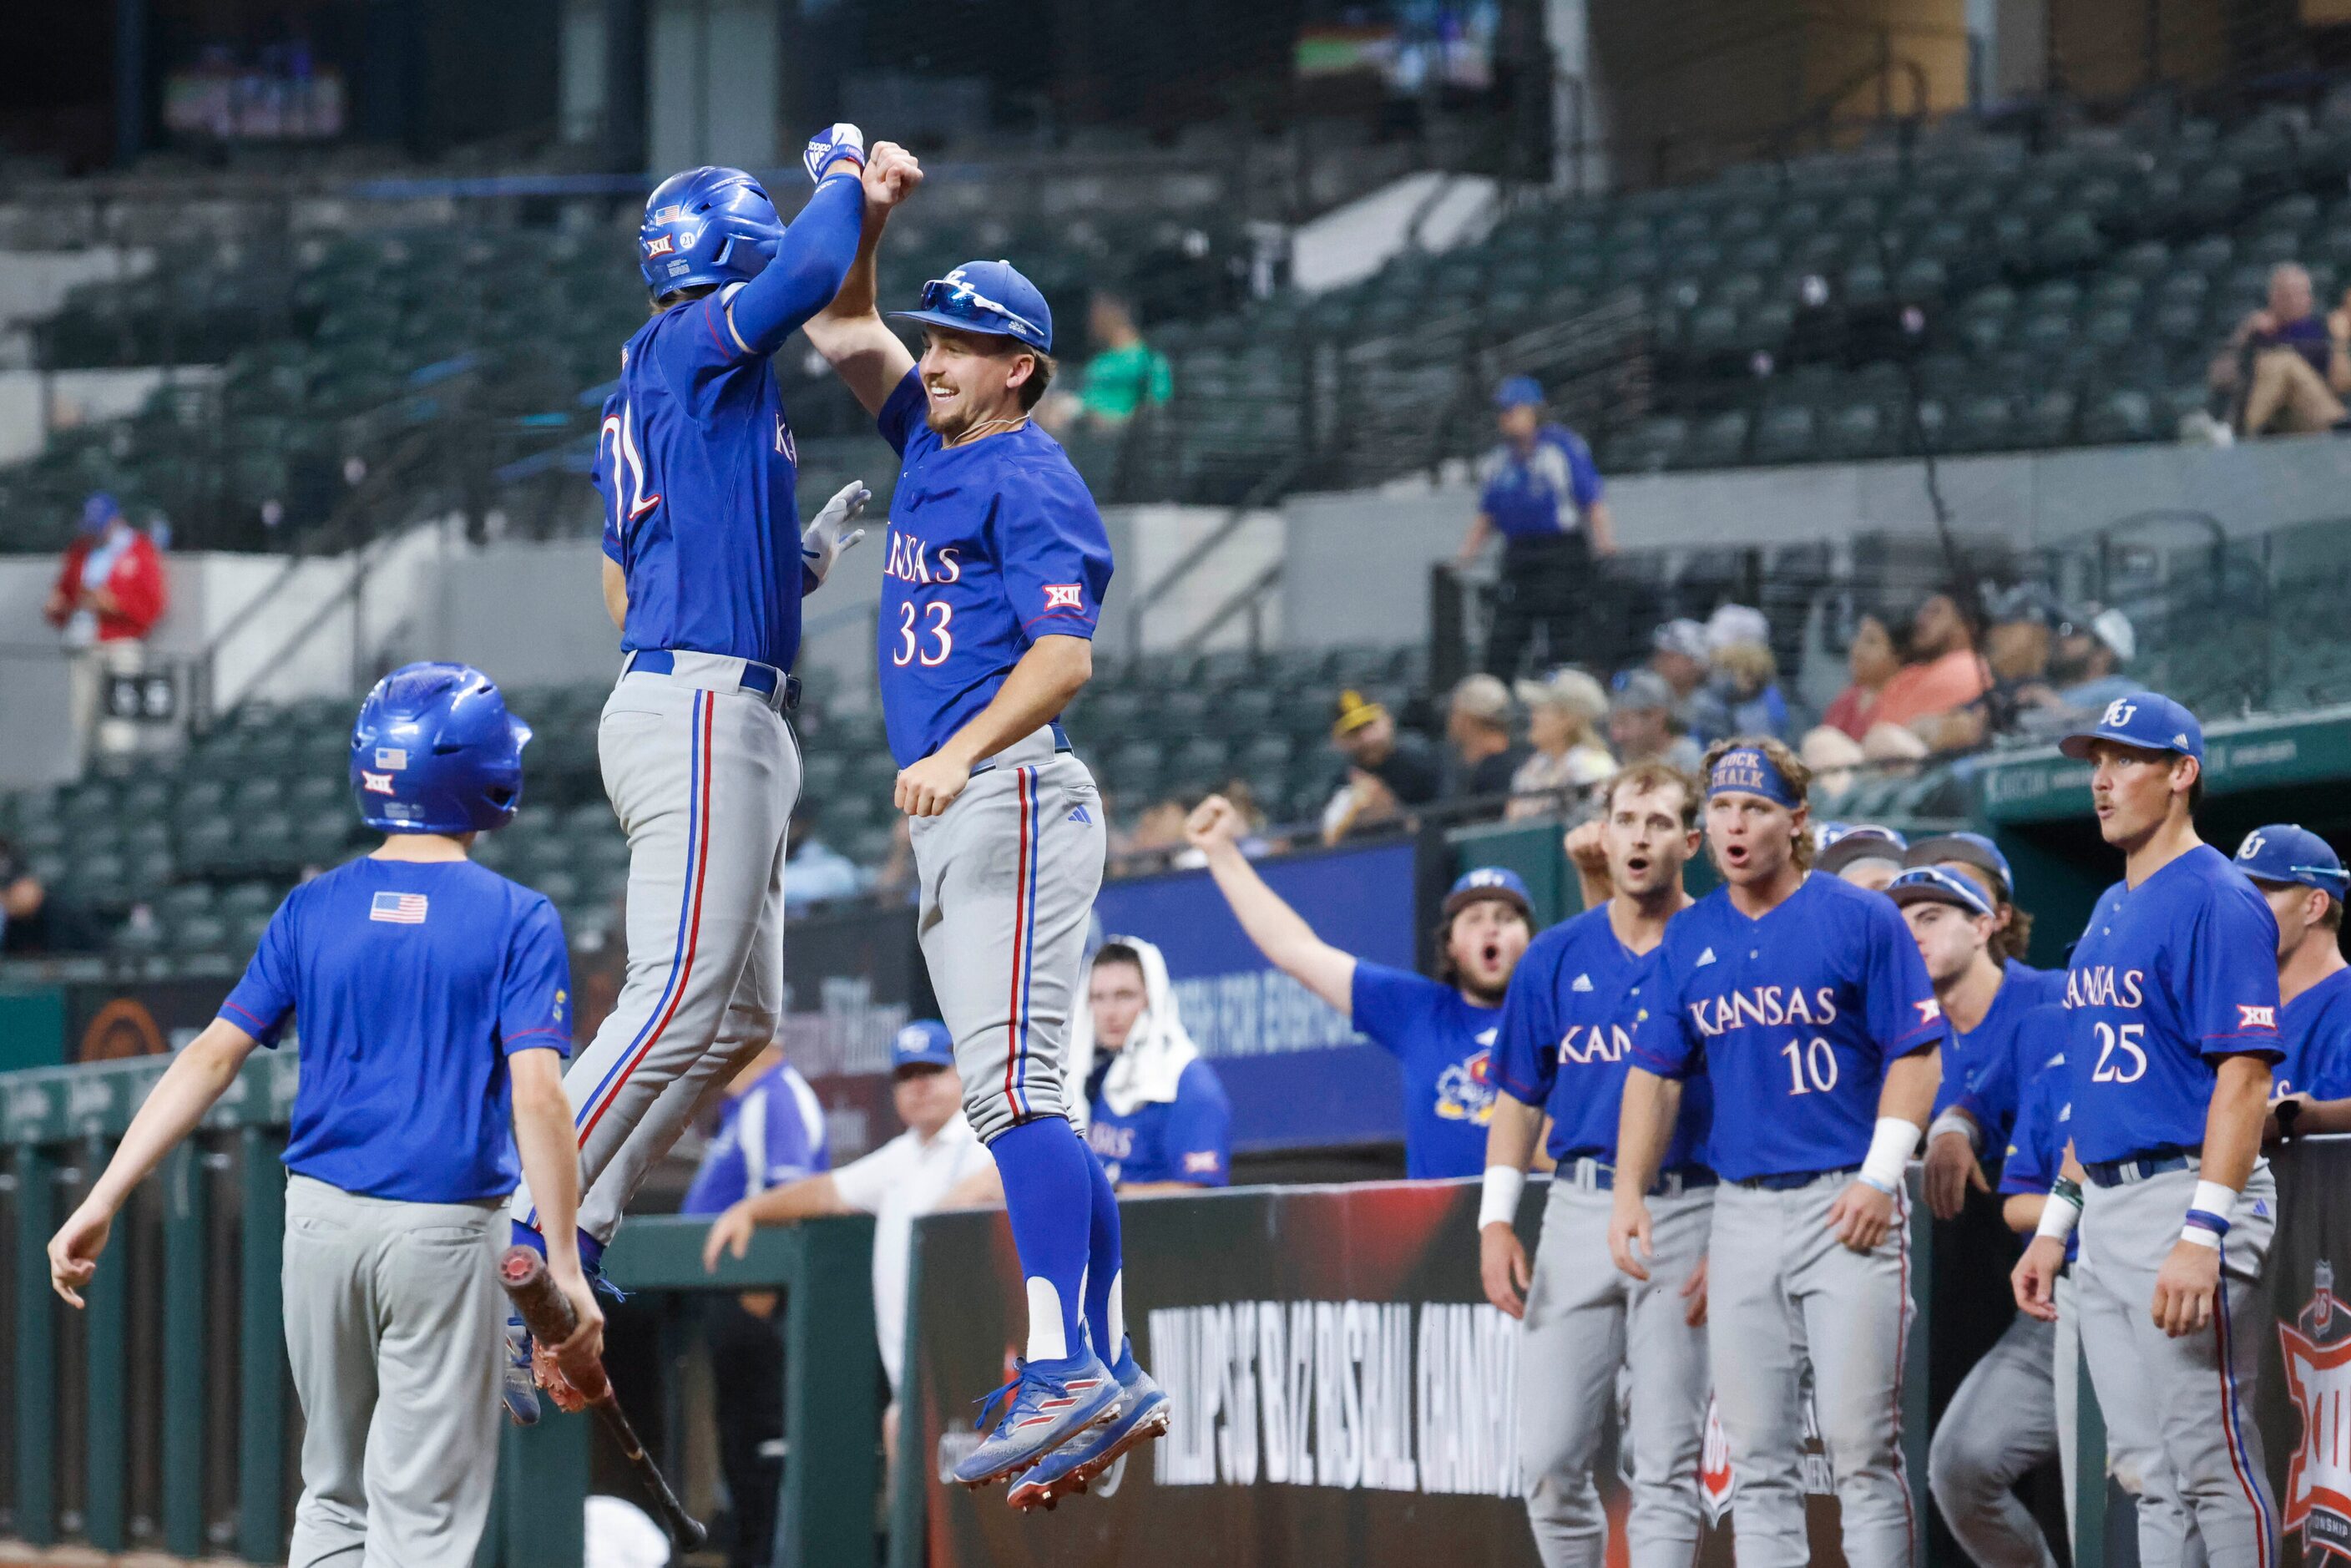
(991, 298)
(706, 225)
(436, 751)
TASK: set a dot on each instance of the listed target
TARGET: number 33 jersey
(1793, 1018)
(991, 546)
(2169, 977)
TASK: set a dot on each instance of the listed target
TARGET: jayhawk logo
(1465, 1090)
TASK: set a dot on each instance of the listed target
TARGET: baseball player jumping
(705, 568)
(432, 996)
(997, 563)
(1567, 1026)
(2172, 1001)
(1803, 1000)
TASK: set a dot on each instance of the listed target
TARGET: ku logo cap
(2148, 720)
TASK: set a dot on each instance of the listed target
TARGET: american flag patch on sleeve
(398, 908)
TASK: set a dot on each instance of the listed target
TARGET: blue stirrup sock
(1049, 1198)
(1105, 1280)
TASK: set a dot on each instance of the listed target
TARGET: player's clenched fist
(1862, 1216)
(1213, 821)
(931, 786)
(892, 174)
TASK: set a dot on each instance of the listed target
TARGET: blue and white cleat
(517, 1387)
(1073, 1466)
(1043, 1410)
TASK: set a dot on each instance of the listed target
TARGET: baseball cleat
(516, 1387)
(1073, 1466)
(1041, 1411)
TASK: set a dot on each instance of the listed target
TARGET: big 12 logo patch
(2318, 1346)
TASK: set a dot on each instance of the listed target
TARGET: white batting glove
(822, 542)
(827, 147)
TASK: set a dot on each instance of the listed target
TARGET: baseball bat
(523, 1272)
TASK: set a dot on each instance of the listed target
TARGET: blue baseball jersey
(1575, 1003)
(2314, 1028)
(1186, 1139)
(412, 981)
(696, 466)
(1794, 1018)
(771, 1134)
(1542, 493)
(1983, 1070)
(1444, 1044)
(991, 546)
(2170, 976)
(2036, 1145)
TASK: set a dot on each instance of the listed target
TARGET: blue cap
(1839, 844)
(989, 297)
(2145, 719)
(101, 509)
(1933, 884)
(925, 1043)
(1489, 882)
(1519, 392)
(2287, 853)
(1967, 849)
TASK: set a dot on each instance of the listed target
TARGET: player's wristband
(1956, 1120)
(1499, 1204)
(1889, 1150)
(2208, 1216)
(2061, 1213)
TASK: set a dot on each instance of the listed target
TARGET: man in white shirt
(909, 1176)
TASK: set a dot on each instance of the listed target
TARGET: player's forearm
(1281, 933)
(1053, 670)
(807, 1199)
(1644, 1125)
(2022, 1211)
(2323, 1116)
(2232, 1122)
(859, 297)
(616, 593)
(196, 1078)
(550, 1152)
(1512, 1136)
(811, 261)
(1909, 1093)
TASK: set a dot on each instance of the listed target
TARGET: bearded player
(997, 562)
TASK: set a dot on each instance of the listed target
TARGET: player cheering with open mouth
(997, 562)
(1804, 1001)
(705, 566)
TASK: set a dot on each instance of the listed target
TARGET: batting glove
(823, 542)
(830, 146)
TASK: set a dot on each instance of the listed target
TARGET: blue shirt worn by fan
(412, 982)
(1444, 1045)
(771, 1134)
(1187, 1139)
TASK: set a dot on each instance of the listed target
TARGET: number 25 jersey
(991, 546)
(1793, 1018)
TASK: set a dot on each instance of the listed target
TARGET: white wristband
(2214, 1198)
(2200, 1236)
(2058, 1218)
(1890, 1148)
(1956, 1120)
(1498, 1205)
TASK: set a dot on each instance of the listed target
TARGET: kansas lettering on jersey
(1576, 1004)
(2169, 977)
(406, 1024)
(991, 546)
(2316, 1030)
(1984, 1069)
(1186, 1139)
(1443, 1045)
(1793, 1018)
(697, 468)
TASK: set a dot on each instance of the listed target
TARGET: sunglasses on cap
(952, 297)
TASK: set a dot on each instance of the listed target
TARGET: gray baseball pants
(2200, 1387)
(2133, 1451)
(1008, 874)
(1783, 1290)
(392, 1317)
(703, 773)
(2002, 1422)
(1584, 1321)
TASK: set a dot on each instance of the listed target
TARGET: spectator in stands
(1125, 374)
(813, 869)
(2087, 664)
(1157, 1115)
(1871, 660)
(109, 593)
(1862, 853)
(1386, 770)
(2285, 368)
(1741, 694)
(1541, 491)
(1441, 1032)
(1160, 829)
(1943, 674)
(1477, 729)
(1642, 726)
(1564, 715)
(771, 1133)
(1679, 652)
(1833, 757)
(25, 913)
(2016, 658)
(933, 1162)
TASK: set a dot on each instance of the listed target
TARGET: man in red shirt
(109, 593)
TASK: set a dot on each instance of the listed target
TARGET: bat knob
(519, 1265)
